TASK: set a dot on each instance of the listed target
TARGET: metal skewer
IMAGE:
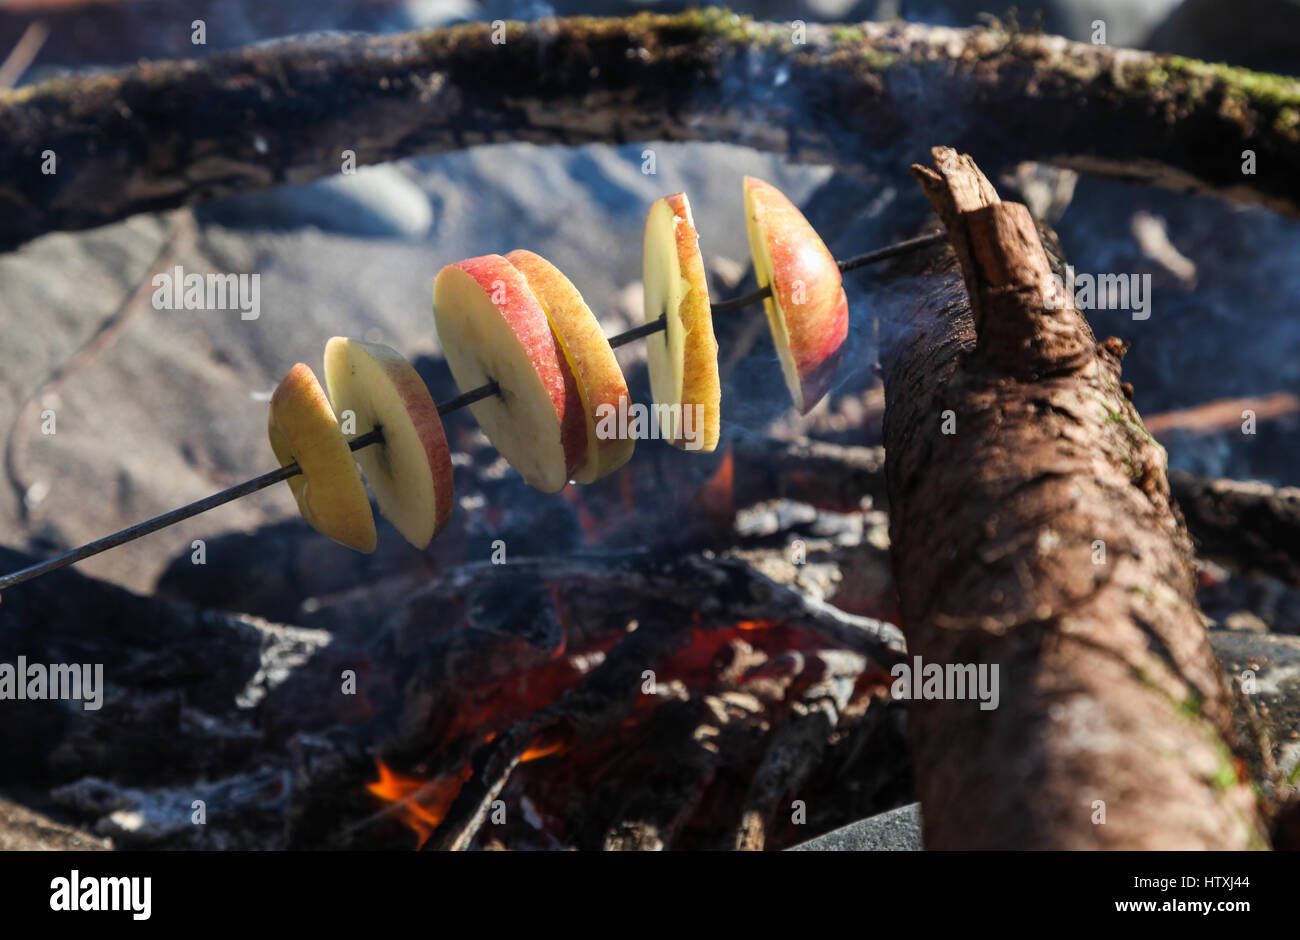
(850, 264)
(376, 436)
(172, 517)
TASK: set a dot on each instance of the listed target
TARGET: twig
(23, 53)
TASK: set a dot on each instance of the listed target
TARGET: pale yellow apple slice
(591, 359)
(493, 328)
(329, 491)
(410, 471)
(808, 311)
(682, 359)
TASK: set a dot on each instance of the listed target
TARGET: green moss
(1123, 415)
(1240, 95)
(715, 22)
(1225, 778)
(698, 23)
(1225, 774)
(877, 60)
(1263, 89)
(1157, 77)
(858, 45)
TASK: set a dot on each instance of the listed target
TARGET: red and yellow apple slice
(410, 470)
(589, 356)
(492, 328)
(329, 491)
(683, 358)
(808, 310)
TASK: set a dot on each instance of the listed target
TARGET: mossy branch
(867, 98)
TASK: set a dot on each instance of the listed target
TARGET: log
(1114, 725)
(863, 97)
(1251, 527)
(820, 473)
(795, 749)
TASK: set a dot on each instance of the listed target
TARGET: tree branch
(1014, 461)
(865, 98)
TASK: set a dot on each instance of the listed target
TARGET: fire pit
(703, 693)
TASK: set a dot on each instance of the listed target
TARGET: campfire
(611, 678)
(563, 584)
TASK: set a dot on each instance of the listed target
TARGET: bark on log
(864, 97)
(1111, 699)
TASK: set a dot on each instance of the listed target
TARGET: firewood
(1251, 527)
(675, 764)
(1033, 529)
(693, 592)
(601, 699)
(826, 475)
(796, 746)
(163, 134)
(603, 591)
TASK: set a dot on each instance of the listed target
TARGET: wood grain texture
(1110, 694)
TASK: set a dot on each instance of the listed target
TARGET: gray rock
(373, 202)
(1268, 668)
(898, 830)
(245, 811)
(24, 830)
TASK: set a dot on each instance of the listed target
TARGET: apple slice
(329, 491)
(590, 357)
(682, 359)
(808, 311)
(410, 471)
(492, 327)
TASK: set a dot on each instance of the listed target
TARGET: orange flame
(422, 804)
(544, 745)
(717, 497)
